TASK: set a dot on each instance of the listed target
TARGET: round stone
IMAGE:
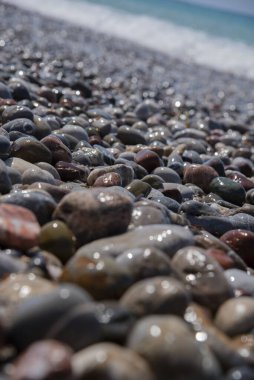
(229, 190)
(242, 242)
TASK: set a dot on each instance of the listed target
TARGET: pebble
(148, 159)
(236, 316)
(242, 282)
(43, 360)
(160, 295)
(110, 361)
(18, 228)
(241, 241)
(203, 275)
(200, 175)
(168, 344)
(82, 212)
(31, 150)
(228, 190)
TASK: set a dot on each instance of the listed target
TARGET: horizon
(245, 7)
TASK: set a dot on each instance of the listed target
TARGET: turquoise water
(221, 40)
(220, 23)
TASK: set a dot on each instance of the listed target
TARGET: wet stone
(18, 228)
(110, 361)
(59, 151)
(130, 136)
(37, 175)
(200, 175)
(228, 190)
(169, 346)
(57, 238)
(148, 159)
(203, 276)
(159, 295)
(17, 112)
(242, 282)
(125, 172)
(241, 241)
(31, 150)
(145, 263)
(72, 171)
(139, 188)
(236, 316)
(5, 181)
(39, 202)
(82, 212)
(43, 360)
(108, 180)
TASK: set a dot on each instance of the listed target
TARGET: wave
(180, 42)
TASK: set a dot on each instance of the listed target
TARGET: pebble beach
(126, 210)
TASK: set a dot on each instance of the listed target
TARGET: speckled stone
(18, 227)
(43, 360)
(83, 211)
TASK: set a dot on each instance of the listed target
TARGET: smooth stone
(59, 151)
(4, 146)
(19, 164)
(223, 258)
(198, 208)
(240, 373)
(5, 181)
(19, 91)
(217, 164)
(244, 165)
(167, 238)
(148, 159)
(242, 221)
(72, 171)
(130, 136)
(78, 328)
(169, 346)
(69, 141)
(158, 295)
(37, 175)
(126, 173)
(236, 316)
(114, 319)
(14, 175)
(31, 150)
(82, 211)
(49, 168)
(88, 156)
(43, 360)
(16, 112)
(203, 276)
(171, 204)
(110, 361)
(149, 212)
(42, 127)
(76, 131)
(39, 202)
(5, 92)
(139, 171)
(145, 263)
(101, 276)
(228, 190)
(18, 287)
(35, 316)
(240, 178)
(168, 175)
(21, 125)
(154, 181)
(9, 265)
(56, 192)
(216, 225)
(241, 241)
(139, 188)
(18, 227)
(175, 190)
(108, 157)
(200, 175)
(242, 282)
(57, 238)
(108, 180)
(146, 109)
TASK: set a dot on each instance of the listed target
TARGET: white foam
(184, 43)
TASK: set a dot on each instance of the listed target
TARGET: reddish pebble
(199, 175)
(18, 227)
(242, 242)
(45, 360)
(242, 179)
(108, 179)
(222, 258)
(148, 159)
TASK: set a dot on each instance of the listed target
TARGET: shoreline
(183, 75)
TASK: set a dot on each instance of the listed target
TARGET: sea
(215, 33)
